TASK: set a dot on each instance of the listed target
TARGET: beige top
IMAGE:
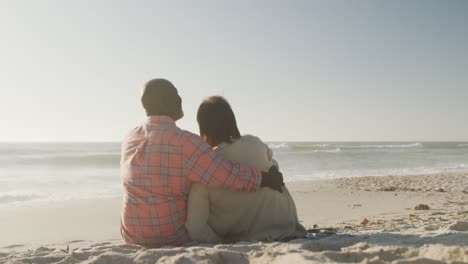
(217, 215)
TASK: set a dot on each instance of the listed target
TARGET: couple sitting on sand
(216, 187)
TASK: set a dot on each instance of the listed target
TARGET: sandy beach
(375, 219)
(112, 110)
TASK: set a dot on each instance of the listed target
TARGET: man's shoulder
(136, 129)
(174, 135)
(190, 142)
(132, 133)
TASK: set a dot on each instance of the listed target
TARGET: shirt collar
(160, 120)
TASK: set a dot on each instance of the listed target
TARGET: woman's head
(217, 121)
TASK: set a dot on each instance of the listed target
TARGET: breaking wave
(328, 147)
(11, 198)
(65, 159)
(412, 145)
(328, 150)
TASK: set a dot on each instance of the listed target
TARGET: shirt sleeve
(208, 167)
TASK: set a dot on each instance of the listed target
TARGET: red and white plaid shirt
(159, 164)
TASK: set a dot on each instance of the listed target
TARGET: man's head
(160, 97)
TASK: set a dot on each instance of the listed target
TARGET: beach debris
(315, 229)
(421, 207)
(430, 227)
(412, 216)
(357, 205)
(41, 249)
(459, 226)
(438, 213)
(326, 230)
(388, 189)
(440, 190)
(365, 222)
(407, 226)
(319, 235)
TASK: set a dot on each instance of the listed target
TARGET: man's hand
(273, 179)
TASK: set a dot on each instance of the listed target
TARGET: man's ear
(178, 115)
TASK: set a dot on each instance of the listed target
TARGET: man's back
(159, 163)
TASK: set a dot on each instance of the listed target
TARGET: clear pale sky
(292, 70)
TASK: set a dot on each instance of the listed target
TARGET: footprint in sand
(13, 246)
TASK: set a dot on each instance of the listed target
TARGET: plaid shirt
(159, 164)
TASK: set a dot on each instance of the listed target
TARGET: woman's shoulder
(251, 139)
(245, 141)
(248, 150)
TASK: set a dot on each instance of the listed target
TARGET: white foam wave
(70, 155)
(462, 145)
(277, 146)
(76, 159)
(412, 145)
(321, 145)
(333, 174)
(325, 147)
(336, 150)
(17, 197)
(281, 147)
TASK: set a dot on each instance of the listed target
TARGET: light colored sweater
(217, 215)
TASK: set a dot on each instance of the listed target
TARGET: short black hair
(217, 120)
(160, 97)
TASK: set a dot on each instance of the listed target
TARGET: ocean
(51, 172)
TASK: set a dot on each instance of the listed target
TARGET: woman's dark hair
(217, 120)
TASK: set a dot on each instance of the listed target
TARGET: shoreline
(386, 202)
(44, 203)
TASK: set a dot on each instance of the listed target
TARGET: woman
(216, 215)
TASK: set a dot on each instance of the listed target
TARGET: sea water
(48, 172)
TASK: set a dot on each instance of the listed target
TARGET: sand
(375, 218)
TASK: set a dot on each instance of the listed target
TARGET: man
(159, 164)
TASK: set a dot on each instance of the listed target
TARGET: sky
(292, 70)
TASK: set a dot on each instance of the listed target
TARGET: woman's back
(233, 216)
